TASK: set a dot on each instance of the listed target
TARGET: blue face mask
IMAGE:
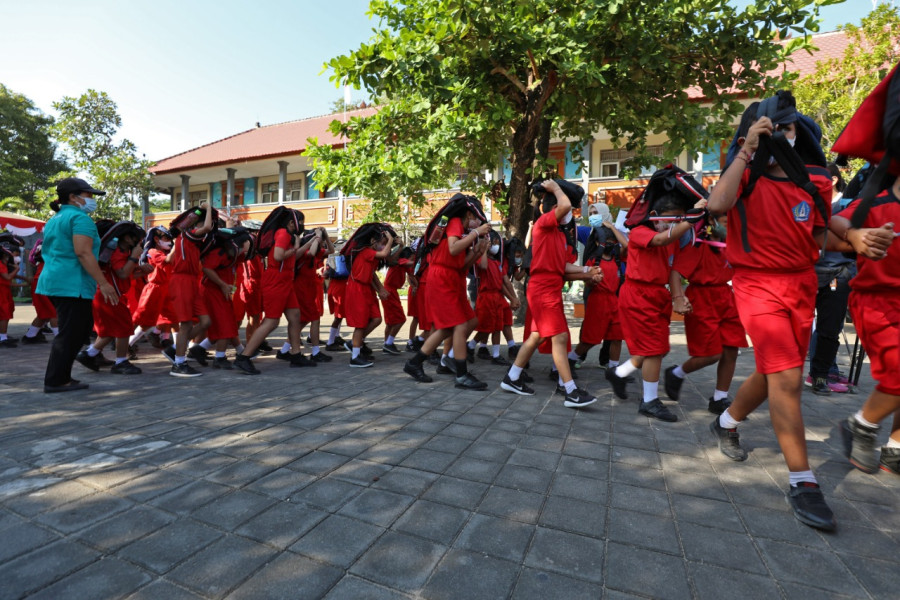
(90, 205)
(595, 220)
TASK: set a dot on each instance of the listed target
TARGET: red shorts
(877, 320)
(222, 325)
(112, 321)
(776, 310)
(601, 318)
(336, 291)
(43, 307)
(393, 308)
(714, 322)
(361, 305)
(412, 305)
(507, 315)
(309, 292)
(425, 322)
(7, 306)
(279, 297)
(489, 310)
(446, 293)
(251, 301)
(187, 302)
(150, 305)
(548, 317)
(645, 310)
(133, 296)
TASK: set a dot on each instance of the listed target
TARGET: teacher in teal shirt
(70, 278)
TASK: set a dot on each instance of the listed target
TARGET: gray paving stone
(23, 537)
(447, 443)
(723, 548)
(190, 497)
(497, 537)
(282, 524)
(378, 507)
(457, 492)
(879, 577)
(281, 483)
(584, 467)
(659, 575)
(81, 513)
(405, 481)
(815, 568)
(572, 555)
(106, 578)
(535, 584)
(512, 504)
(524, 478)
(640, 499)
(42, 567)
(643, 530)
(713, 583)
(240, 473)
(781, 525)
(462, 574)
(49, 498)
(329, 494)
(429, 460)
(124, 528)
(433, 521)
(537, 459)
(399, 561)
(318, 463)
(641, 477)
(705, 485)
(231, 510)
(582, 488)
(161, 550)
(710, 513)
(221, 566)
(337, 540)
(161, 588)
(288, 576)
(354, 587)
(488, 451)
(576, 516)
(474, 470)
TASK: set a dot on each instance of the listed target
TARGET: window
(194, 198)
(293, 191)
(269, 193)
(609, 170)
(612, 161)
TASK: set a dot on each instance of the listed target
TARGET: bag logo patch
(801, 212)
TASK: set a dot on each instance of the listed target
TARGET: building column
(282, 180)
(698, 171)
(185, 191)
(586, 164)
(172, 198)
(304, 185)
(229, 198)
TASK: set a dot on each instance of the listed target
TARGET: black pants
(76, 319)
(831, 311)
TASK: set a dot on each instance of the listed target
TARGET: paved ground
(349, 483)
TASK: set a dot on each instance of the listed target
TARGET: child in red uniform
(492, 307)
(394, 318)
(711, 322)
(412, 303)
(775, 288)
(155, 294)
(337, 288)
(645, 304)
(309, 285)
(456, 250)
(8, 267)
(549, 266)
(45, 312)
(219, 268)
(112, 322)
(249, 295)
(362, 311)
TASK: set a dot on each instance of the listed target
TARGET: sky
(185, 73)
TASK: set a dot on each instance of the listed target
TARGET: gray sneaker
(890, 460)
(729, 441)
(860, 445)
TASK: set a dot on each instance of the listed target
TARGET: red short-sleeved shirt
(878, 275)
(491, 278)
(285, 241)
(395, 277)
(780, 222)
(646, 263)
(253, 269)
(220, 262)
(3, 281)
(441, 254)
(610, 270)
(117, 261)
(160, 273)
(186, 259)
(363, 266)
(548, 253)
(702, 265)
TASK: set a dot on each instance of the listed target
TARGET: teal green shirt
(63, 274)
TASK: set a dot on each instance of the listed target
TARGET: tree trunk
(543, 143)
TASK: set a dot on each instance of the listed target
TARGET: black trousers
(76, 319)
(831, 311)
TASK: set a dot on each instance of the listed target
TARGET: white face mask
(792, 141)
(164, 245)
(495, 248)
(90, 204)
(566, 219)
(17, 259)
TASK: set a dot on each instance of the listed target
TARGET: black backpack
(110, 232)
(670, 180)
(277, 219)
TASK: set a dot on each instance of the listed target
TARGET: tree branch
(534, 68)
(512, 78)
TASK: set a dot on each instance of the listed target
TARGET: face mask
(495, 248)
(17, 259)
(595, 220)
(164, 245)
(567, 219)
(518, 261)
(792, 141)
(661, 226)
(474, 224)
(90, 205)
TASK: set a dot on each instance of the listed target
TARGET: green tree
(467, 82)
(339, 105)
(28, 155)
(88, 126)
(832, 93)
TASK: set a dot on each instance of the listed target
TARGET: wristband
(585, 269)
(745, 155)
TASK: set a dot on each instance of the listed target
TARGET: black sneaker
(320, 357)
(102, 361)
(672, 383)
(499, 360)
(729, 441)
(198, 354)
(434, 359)
(657, 410)
(516, 387)
(525, 377)
(446, 369)
(361, 362)
(820, 387)
(336, 347)
(860, 445)
(244, 364)
(391, 349)
(46, 330)
(618, 383)
(166, 342)
(283, 355)
(87, 360)
(220, 362)
(579, 398)
(512, 352)
(470, 356)
(132, 352)
(410, 347)
(483, 353)
(154, 340)
(265, 347)
(301, 360)
(416, 372)
(125, 368)
(169, 353)
(184, 370)
(717, 407)
(340, 340)
(470, 382)
(554, 374)
(366, 351)
(890, 460)
(808, 503)
(37, 339)
(309, 340)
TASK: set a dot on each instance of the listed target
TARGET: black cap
(73, 185)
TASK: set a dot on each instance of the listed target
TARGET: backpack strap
(873, 184)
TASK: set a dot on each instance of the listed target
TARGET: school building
(249, 173)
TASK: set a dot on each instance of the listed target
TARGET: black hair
(836, 172)
(668, 202)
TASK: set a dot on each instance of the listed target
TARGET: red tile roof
(261, 142)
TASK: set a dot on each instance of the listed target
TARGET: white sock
(138, 334)
(798, 477)
(726, 421)
(179, 360)
(679, 372)
(55, 330)
(355, 352)
(859, 419)
(175, 337)
(511, 344)
(471, 344)
(315, 350)
(239, 348)
(220, 354)
(651, 390)
(286, 348)
(570, 386)
(389, 340)
(892, 443)
(91, 351)
(720, 395)
(495, 350)
(206, 344)
(515, 372)
(3, 337)
(449, 355)
(420, 339)
(165, 336)
(119, 361)
(625, 369)
(559, 380)
(332, 334)
(32, 331)
(613, 364)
